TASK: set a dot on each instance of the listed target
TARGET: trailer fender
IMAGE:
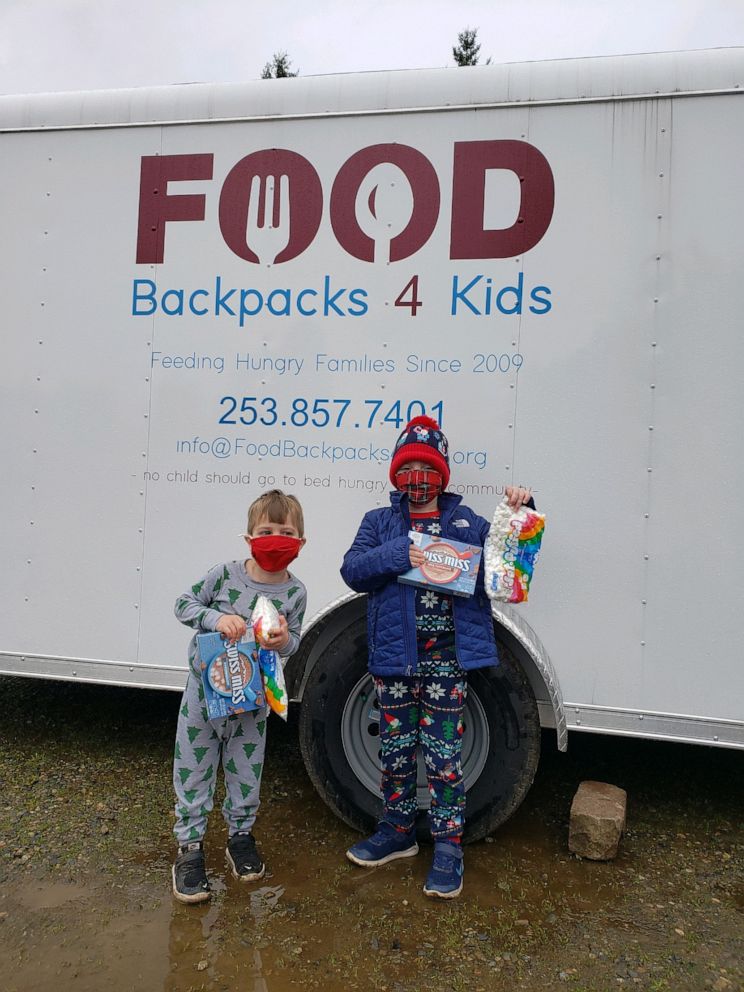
(531, 654)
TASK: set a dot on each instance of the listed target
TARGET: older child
(223, 600)
(421, 644)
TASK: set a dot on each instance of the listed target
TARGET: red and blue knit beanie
(422, 440)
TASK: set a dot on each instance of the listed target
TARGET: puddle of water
(312, 913)
(309, 913)
(50, 895)
(77, 949)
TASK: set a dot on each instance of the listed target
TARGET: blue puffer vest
(379, 555)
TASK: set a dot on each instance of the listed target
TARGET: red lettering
(472, 159)
(424, 186)
(295, 204)
(271, 203)
(156, 207)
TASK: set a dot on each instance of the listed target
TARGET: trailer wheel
(339, 738)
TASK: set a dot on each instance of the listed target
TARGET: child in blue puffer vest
(421, 645)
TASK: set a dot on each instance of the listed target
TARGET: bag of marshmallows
(511, 551)
(265, 618)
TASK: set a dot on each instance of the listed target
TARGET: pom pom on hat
(422, 440)
(423, 421)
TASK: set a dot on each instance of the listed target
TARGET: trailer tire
(501, 745)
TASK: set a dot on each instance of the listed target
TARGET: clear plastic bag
(273, 679)
(265, 618)
(510, 552)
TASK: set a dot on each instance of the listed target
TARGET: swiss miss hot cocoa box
(230, 675)
(450, 565)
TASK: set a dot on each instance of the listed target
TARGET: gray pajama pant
(240, 740)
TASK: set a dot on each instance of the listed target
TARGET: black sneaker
(243, 857)
(190, 882)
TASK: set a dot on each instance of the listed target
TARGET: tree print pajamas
(238, 740)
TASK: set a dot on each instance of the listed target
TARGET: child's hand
(277, 640)
(232, 627)
(416, 556)
(517, 496)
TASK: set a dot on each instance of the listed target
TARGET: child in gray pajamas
(223, 601)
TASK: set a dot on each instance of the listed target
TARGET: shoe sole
(410, 852)
(183, 897)
(244, 878)
(435, 894)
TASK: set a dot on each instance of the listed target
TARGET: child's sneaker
(386, 844)
(243, 857)
(190, 882)
(444, 881)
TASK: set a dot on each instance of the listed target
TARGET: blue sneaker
(444, 881)
(386, 844)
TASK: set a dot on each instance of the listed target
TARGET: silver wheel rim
(360, 738)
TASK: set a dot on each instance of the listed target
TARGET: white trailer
(212, 290)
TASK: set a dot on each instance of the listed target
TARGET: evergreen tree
(279, 67)
(467, 48)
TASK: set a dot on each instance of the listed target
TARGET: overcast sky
(93, 44)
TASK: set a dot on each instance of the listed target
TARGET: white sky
(93, 44)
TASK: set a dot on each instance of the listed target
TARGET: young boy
(224, 600)
(421, 644)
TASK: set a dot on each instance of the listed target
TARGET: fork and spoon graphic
(383, 207)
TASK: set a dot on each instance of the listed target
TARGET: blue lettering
(459, 295)
(329, 302)
(178, 295)
(221, 301)
(198, 311)
(150, 297)
(300, 297)
(244, 311)
(534, 295)
(358, 298)
(517, 290)
(283, 294)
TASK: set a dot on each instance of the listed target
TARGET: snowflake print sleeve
(193, 607)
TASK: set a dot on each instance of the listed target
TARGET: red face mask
(421, 485)
(272, 552)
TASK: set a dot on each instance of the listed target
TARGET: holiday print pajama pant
(424, 711)
(200, 743)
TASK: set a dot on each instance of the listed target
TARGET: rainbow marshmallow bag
(265, 617)
(511, 552)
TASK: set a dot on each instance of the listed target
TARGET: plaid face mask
(421, 485)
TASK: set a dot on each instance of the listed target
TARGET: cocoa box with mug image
(230, 674)
(451, 566)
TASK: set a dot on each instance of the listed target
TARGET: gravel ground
(85, 853)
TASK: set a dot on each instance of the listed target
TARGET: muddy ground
(85, 854)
